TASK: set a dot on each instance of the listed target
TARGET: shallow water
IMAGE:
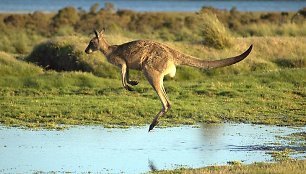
(134, 150)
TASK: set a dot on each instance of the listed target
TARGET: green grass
(286, 167)
(10, 66)
(78, 98)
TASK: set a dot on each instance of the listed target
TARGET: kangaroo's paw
(127, 87)
(153, 124)
(133, 82)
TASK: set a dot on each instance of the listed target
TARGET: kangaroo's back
(144, 52)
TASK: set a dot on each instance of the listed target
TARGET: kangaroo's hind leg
(155, 78)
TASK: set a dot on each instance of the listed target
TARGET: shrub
(67, 54)
(299, 17)
(66, 16)
(110, 7)
(271, 17)
(15, 40)
(302, 11)
(15, 20)
(93, 9)
(39, 22)
(214, 33)
(290, 63)
(209, 9)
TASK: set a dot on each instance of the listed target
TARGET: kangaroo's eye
(93, 43)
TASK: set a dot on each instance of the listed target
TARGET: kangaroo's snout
(88, 50)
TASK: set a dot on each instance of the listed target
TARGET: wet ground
(134, 150)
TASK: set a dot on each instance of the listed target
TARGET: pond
(134, 150)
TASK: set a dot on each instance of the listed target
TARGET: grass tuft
(214, 33)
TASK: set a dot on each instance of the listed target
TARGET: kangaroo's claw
(132, 82)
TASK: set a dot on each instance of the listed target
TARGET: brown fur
(155, 60)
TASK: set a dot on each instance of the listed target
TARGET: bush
(66, 16)
(214, 33)
(19, 41)
(39, 22)
(290, 63)
(15, 20)
(67, 54)
(271, 17)
(94, 8)
(109, 7)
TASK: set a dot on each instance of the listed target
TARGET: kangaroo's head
(95, 43)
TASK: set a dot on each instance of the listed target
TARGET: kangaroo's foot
(133, 82)
(153, 124)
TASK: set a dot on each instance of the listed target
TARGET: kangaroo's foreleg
(156, 81)
(124, 76)
(127, 76)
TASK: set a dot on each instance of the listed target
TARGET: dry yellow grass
(287, 167)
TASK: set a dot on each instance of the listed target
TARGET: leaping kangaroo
(155, 60)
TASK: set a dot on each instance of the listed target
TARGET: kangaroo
(155, 60)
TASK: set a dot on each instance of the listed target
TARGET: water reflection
(134, 150)
(152, 166)
(211, 132)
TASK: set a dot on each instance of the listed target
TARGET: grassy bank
(276, 97)
(287, 167)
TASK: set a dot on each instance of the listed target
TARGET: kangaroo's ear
(97, 34)
(102, 31)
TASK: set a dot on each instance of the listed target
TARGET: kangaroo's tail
(199, 63)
